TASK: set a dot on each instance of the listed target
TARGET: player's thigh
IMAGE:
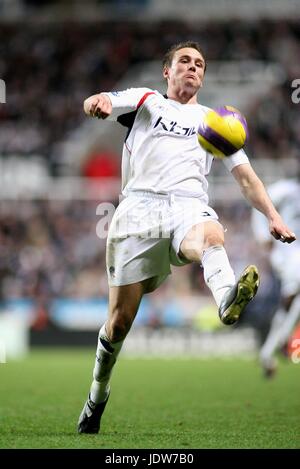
(201, 237)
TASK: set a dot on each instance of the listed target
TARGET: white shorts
(145, 235)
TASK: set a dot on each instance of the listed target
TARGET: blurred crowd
(50, 250)
(50, 68)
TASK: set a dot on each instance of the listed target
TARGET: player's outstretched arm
(255, 192)
(98, 105)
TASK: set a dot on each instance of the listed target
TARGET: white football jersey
(161, 152)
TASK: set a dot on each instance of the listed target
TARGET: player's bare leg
(205, 243)
(124, 302)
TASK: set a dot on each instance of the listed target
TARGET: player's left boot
(237, 298)
(90, 417)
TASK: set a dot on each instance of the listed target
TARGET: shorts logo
(112, 271)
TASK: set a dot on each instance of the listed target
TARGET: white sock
(106, 357)
(218, 274)
(271, 343)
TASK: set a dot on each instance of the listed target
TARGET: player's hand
(98, 105)
(281, 232)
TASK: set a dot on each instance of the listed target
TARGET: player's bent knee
(119, 327)
(213, 239)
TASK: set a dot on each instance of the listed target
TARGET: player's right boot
(237, 298)
(90, 417)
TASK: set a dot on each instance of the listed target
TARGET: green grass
(154, 403)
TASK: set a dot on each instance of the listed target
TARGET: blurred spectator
(101, 164)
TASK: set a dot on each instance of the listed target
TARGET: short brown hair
(168, 58)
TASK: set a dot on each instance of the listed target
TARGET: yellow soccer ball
(223, 131)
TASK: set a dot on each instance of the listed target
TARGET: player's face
(187, 70)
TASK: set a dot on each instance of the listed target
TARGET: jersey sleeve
(236, 159)
(127, 101)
